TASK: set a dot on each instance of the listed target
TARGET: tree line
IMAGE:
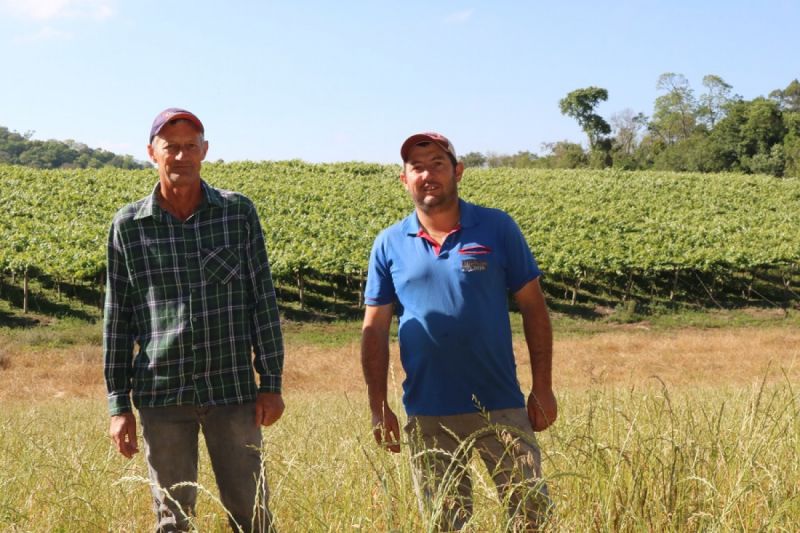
(715, 131)
(20, 149)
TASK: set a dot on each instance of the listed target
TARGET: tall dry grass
(619, 459)
(677, 431)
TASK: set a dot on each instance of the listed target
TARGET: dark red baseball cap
(429, 136)
(174, 113)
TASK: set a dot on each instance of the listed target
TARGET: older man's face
(178, 150)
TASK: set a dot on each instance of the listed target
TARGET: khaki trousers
(441, 447)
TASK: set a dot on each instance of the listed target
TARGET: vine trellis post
(301, 289)
(102, 291)
(577, 287)
(361, 289)
(674, 288)
(25, 291)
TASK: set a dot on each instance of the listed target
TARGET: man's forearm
(542, 405)
(539, 338)
(375, 364)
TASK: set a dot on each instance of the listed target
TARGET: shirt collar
(466, 213)
(150, 207)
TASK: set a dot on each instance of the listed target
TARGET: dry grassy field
(619, 356)
(659, 430)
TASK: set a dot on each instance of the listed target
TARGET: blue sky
(349, 80)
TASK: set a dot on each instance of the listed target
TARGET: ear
(151, 153)
(459, 171)
(205, 150)
(403, 178)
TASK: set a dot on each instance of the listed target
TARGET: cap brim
(436, 138)
(413, 141)
(166, 117)
(188, 116)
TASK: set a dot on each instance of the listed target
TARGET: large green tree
(749, 138)
(675, 111)
(580, 104)
(789, 98)
(564, 154)
(628, 130)
(714, 101)
(473, 159)
(791, 144)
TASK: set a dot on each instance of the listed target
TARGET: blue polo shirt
(454, 332)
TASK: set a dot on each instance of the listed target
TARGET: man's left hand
(542, 408)
(269, 408)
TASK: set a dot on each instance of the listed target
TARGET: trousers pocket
(221, 265)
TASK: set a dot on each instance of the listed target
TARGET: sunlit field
(618, 460)
(671, 431)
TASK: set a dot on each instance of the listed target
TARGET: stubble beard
(434, 204)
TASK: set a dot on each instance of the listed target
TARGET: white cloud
(59, 9)
(459, 17)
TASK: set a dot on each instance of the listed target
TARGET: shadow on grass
(616, 297)
(42, 300)
(309, 314)
(13, 320)
(574, 311)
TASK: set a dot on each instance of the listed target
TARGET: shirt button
(194, 319)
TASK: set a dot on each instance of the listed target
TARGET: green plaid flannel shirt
(198, 300)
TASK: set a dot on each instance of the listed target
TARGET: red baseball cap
(429, 136)
(174, 113)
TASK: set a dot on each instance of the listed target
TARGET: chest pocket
(476, 257)
(221, 265)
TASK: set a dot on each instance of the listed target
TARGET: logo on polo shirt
(474, 265)
(475, 249)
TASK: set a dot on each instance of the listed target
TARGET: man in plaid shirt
(190, 312)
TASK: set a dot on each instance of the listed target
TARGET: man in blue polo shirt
(446, 270)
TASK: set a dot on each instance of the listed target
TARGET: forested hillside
(17, 149)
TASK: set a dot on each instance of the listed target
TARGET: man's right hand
(386, 429)
(123, 433)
